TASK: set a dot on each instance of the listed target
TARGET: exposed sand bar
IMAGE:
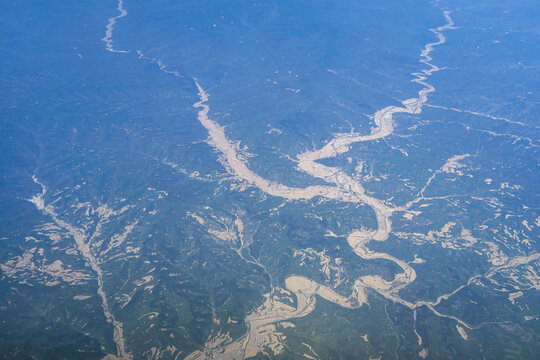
(273, 312)
(239, 168)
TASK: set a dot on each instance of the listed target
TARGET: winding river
(343, 188)
(261, 332)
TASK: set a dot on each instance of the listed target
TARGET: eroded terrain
(373, 231)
